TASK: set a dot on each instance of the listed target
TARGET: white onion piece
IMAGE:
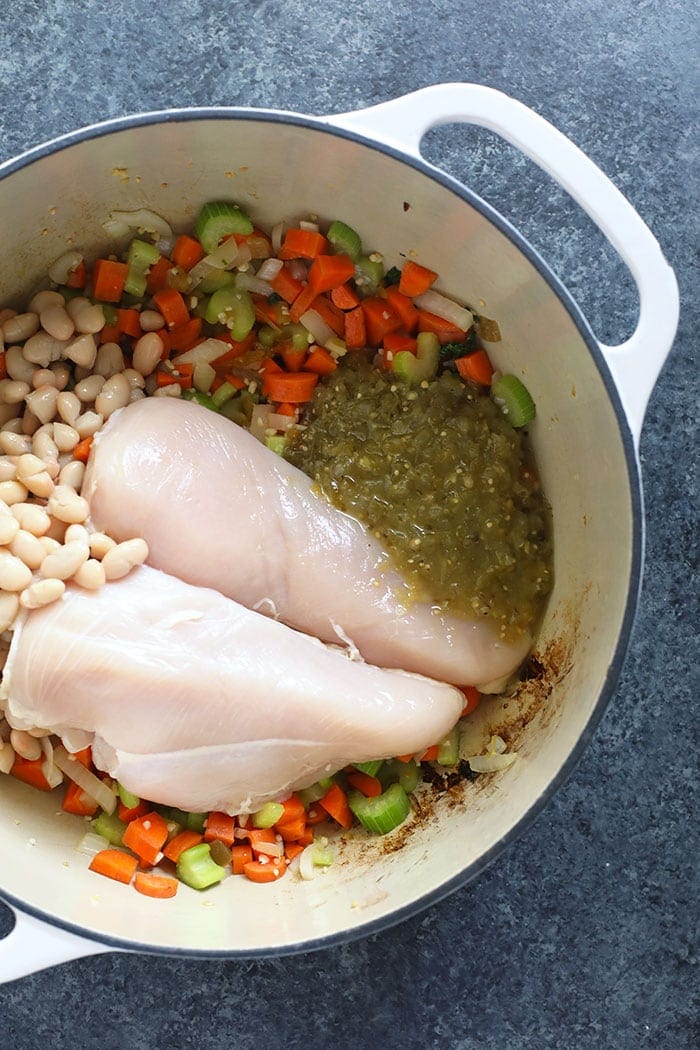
(259, 421)
(202, 377)
(307, 868)
(86, 780)
(314, 323)
(270, 849)
(115, 228)
(205, 353)
(491, 763)
(269, 268)
(310, 227)
(443, 307)
(60, 270)
(53, 775)
(277, 236)
(280, 422)
(145, 221)
(250, 282)
(496, 746)
(92, 843)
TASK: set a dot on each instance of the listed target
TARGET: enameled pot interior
(288, 169)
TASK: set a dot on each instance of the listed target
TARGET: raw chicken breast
(220, 510)
(197, 702)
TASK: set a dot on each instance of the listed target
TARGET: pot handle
(634, 364)
(34, 945)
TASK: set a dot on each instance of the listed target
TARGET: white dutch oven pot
(591, 398)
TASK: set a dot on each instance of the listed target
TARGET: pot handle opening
(34, 945)
(634, 364)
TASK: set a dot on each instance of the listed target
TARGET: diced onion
(250, 282)
(443, 307)
(277, 236)
(144, 220)
(63, 267)
(86, 780)
(268, 270)
(280, 422)
(115, 228)
(314, 323)
(496, 746)
(307, 868)
(270, 849)
(205, 352)
(53, 775)
(203, 376)
(92, 843)
(491, 763)
(310, 227)
(259, 421)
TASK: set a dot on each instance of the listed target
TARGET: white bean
(14, 426)
(7, 757)
(60, 270)
(44, 446)
(62, 373)
(46, 298)
(14, 392)
(88, 318)
(20, 327)
(66, 505)
(41, 593)
(28, 548)
(82, 350)
(75, 305)
(32, 517)
(172, 390)
(56, 321)
(113, 395)
(9, 607)
(88, 424)
(50, 545)
(87, 390)
(100, 544)
(124, 557)
(42, 349)
(17, 365)
(14, 574)
(8, 465)
(25, 745)
(147, 353)
(65, 437)
(42, 403)
(64, 562)
(151, 321)
(30, 422)
(109, 360)
(12, 492)
(44, 377)
(14, 444)
(77, 534)
(134, 378)
(90, 575)
(27, 465)
(9, 526)
(136, 395)
(72, 474)
(68, 406)
(40, 485)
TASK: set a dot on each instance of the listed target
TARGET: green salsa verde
(443, 481)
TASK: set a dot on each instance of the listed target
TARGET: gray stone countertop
(582, 933)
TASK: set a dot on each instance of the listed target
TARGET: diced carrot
(444, 330)
(302, 244)
(129, 323)
(369, 786)
(397, 341)
(293, 387)
(307, 838)
(477, 367)
(129, 813)
(183, 380)
(77, 278)
(84, 756)
(110, 333)
(403, 306)
(256, 836)
(146, 836)
(157, 278)
(285, 409)
(219, 826)
(257, 871)
(172, 306)
(237, 348)
(292, 850)
(268, 369)
(115, 864)
(330, 271)
(286, 286)
(161, 886)
(108, 280)
(345, 297)
(266, 313)
(404, 758)
(82, 450)
(31, 771)
(431, 754)
(320, 361)
(335, 803)
(415, 279)
(293, 809)
(240, 856)
(292, 829)
(187, 252)
(180, 843)
(355, 329)
(472, 699)
(185, 337)
(380, 319)
(77, 801)
(3, 365)
(293, 359)
(164, 337)
(235, 381)
(302, 303)
(315, 814)
(333, 317)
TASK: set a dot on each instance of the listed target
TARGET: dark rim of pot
(453, 186)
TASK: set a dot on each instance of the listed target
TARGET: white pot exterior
(280, 166)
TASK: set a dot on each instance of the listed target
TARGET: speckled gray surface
(581, 935)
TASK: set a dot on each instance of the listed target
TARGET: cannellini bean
(14, 574)
(7, 757)
(68, 406)
(28, 548)
(87, 390)
(14, 392)
(44, 377)
(27, 465)
(42, 349)
(72, 474)
(134, 378)
(82, 350)
(90, 575)
(136, 395)
(88, 318)
(44, 446)
(64, 562)
(9, 607)
(42, 403)
(14, 426)
(40, 485)
(66, 505)
(17, 365)
(147, 353)
(151, 321)
(12, 492)
(113, 395)
(100, 544)
(14, 444)
(46, 298)
(56, 321)
(88, 424)
(62, 373)
(172, 390)
(60, 270)
(65, 437)
(9, 526)
(109, 360)
(41, 593)
(50, 545)
(124, 557)
(6, 314)
(77, 534)
(32, 517)
(25, 745)
(30, 422)
(20, 327)
(8, 465)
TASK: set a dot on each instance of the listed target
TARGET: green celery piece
(383, 813)
(234, 308)
(130, 801)
(216, 280)
(407, 774)
(267, 815)
(344, 239)
(371, 768)
(276, 443)
(423, 365)
(448, 751)
(322, 856)
(219, 219)
(514, 400)
(196, 868)
(205, 400)
(110, 827)
(110, 313)
(369, 274)
(267, 336)
(223, 394)
(194, 821)
(311, 794)
(140, 257)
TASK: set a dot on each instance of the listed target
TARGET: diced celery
(223, 394)
(205, 400)
(368, 273)
(276, 443)
(130, 801)
(110, 314)
(214, 281)
(514, 400)
(383, 813)
(110, 827)
(197, 869)
(220, 219)
(407, 774)
(371, 768)
(344, 239)
(140, 257)
(195, 821)
(448, 751)
(312, 794)
(423, 365)
(267, 815)
(267, 336)
(322, 856)
(234, 308)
